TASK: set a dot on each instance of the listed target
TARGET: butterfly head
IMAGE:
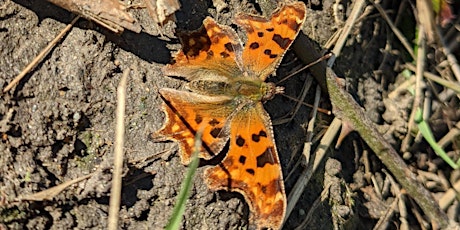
(270, 90)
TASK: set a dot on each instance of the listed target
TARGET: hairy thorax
(254, 90)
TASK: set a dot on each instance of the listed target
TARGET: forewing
(268, 40)
(252, 168)
(213, 50)
(187, 113)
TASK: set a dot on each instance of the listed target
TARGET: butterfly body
(226, 89)
(255, 90)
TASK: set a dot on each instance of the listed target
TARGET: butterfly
(224, 98)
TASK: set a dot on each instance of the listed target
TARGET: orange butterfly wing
(187, 113)
(268, 40)
(214, 49)
(252, 167)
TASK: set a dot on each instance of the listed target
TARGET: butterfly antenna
(326, 56)
(321, 110)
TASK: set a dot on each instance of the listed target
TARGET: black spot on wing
(216, 132)
(198, 119)
(282, 42)
(260, 34)
(269, 53)
(229, 46)
(240, 141)
(256, 137)
(254, 45)
(266, 157)
(262, 133)
(251, 171)
(242, 160)
(224, 54)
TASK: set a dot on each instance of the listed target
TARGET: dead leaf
(160, 10)
(108, 13)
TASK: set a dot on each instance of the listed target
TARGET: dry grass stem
(115, 193)
(418, 100)
(449, 196)
(455, 86)
(450, 136)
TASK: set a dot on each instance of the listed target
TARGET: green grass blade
(176, 218)
(428, 135)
